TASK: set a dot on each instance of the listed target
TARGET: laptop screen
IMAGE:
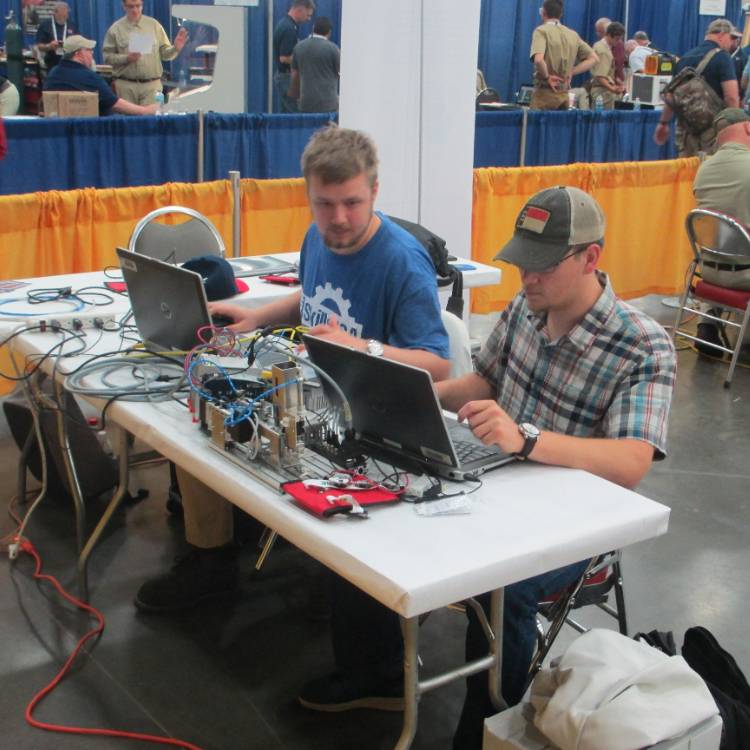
(168, 302)
(394, 406)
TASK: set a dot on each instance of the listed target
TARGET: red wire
(28, 548)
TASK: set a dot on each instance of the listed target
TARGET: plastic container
(571, 99)
(159, 100)
(599, 103)
(637, 103)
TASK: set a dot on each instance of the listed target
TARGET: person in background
(739, 57)
(642, 49)
(137, 75)
(618, 51)
(74, 73)
(604, 84)
(285, 38)
(315, 70)
(557, 53)
(53, 32)
(722, 184)
(719, 74)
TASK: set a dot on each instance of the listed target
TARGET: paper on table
(142, 43)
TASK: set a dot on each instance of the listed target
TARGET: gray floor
(227, 678)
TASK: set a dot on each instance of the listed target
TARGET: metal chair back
(176, 243)
(717, 237)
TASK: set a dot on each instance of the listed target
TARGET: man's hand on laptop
(492, 425)
(244, 318)
(332, 331)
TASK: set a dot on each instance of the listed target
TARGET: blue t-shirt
(70, 75)
(385, 291)
(720, 69)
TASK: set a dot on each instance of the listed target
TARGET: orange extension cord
(26, 546)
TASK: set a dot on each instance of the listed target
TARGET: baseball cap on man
(730, 116)
(551, 222)
(74, 43)
(641, 36)
(720, 26)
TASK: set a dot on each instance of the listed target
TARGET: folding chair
(720, 245)
(602, 575)
(176, 243)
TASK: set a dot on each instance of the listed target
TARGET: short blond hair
(335, 155)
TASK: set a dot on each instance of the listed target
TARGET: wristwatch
(531, 435)
(374, 347)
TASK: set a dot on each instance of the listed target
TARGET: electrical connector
(55, 325)
(99, 323)
(77, 324)
(419, 487)
(13, 550)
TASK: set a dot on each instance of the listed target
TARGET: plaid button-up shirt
(611, 376)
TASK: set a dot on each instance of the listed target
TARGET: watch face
(375, 348)
(529, 430)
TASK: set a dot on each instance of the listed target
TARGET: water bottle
(182, 80)
(159, 101)
(637, 103)
(599, 103)
(571, 99)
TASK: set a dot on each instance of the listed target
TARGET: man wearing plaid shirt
(570, 376)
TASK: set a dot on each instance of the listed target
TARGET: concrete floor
(226, 678)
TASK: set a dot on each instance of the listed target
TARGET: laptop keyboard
(468, 451)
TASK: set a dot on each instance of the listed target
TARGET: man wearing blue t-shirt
(366, 283)
(74, 73)
(719, 74)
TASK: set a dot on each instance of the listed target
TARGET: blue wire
(78, 307)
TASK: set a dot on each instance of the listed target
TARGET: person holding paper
(135, 47)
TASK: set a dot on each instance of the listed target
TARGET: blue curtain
(114, 151)
(262, 146)
(567, 137)
(497, 139)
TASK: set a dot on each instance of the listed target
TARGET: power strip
(73, 322)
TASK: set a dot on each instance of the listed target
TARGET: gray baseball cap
(551, 222)
(720, 26)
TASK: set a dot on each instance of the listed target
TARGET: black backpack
(446, 273)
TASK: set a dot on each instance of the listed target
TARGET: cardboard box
(71, 103)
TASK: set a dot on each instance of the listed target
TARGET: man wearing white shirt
(637, 58)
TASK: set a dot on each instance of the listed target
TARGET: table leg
(410, 630)
(73, 484)
(496, 649)
(123, 460)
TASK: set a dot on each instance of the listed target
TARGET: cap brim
(241, 286)
(530, 254)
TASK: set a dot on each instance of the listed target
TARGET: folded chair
(720, 244)
(602, 575)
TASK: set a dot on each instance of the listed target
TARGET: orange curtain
(275, 215)
(58, 232)
(645, 249)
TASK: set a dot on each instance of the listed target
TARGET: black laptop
(168, 302)
(395, 411)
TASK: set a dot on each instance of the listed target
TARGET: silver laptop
(396, 412)
(168, 302)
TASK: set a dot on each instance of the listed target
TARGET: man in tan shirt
(558, 53)
(603, 82)
(136, 74)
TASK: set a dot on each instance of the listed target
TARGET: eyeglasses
(551, 269)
